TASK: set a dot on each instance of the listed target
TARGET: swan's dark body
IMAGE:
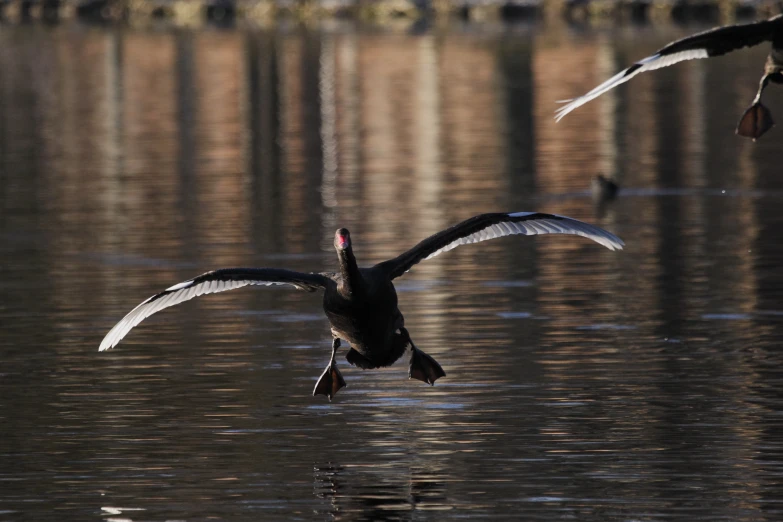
(363, 311)
(361, 303)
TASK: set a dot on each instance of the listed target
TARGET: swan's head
(342, 240)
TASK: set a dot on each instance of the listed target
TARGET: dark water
(582, 384)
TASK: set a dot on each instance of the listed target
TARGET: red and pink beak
(343, 239)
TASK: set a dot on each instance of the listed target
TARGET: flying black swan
(361, 303)
(757, 119)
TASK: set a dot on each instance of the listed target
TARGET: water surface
(582, 384)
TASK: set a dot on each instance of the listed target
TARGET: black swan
(361, 303)
(757, 119)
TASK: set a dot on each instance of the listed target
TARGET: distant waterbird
(361, 303)
(757, 119)
(603, 188)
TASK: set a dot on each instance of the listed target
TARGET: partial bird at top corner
(757, 119)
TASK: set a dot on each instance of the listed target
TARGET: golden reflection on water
(134, 160)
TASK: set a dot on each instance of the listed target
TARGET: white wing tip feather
(126, 324)
(545, 225)
(106, 345)
(115, 335)
(650, 63)
(580, 228)
(170, 297)
(561, 112)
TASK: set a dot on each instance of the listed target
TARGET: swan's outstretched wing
(490, 226)
(707, 44)
(210, 283)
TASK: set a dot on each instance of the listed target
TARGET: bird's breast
(368, 323)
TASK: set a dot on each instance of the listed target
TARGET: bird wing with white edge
(650, 63)
(491, 226)
(210, 283)
(713, 42)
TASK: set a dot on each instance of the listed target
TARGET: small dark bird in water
(361, 303)
(603, 188)
(757, 119)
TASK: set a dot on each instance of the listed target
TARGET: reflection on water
(581, 384)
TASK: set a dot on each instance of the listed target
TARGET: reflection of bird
(377, 493)
(361, 303)
(757, 119)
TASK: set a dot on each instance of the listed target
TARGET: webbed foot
(755, 122)
(424, 368)
(330, 382)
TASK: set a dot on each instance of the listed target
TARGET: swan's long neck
(352, 282)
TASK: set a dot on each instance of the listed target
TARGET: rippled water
(582, 384)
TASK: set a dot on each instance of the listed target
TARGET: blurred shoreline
(380, 12)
